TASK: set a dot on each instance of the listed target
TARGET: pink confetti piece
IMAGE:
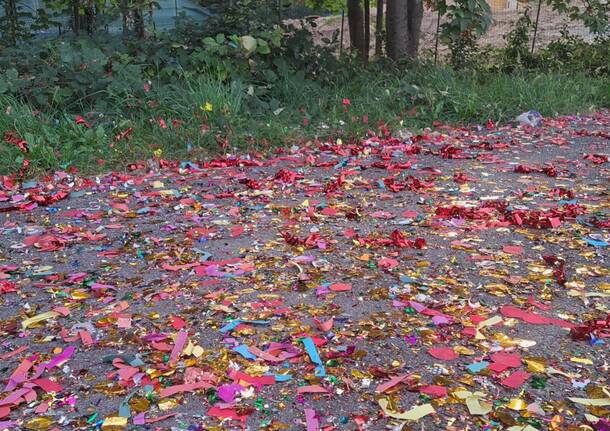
(172, 390)
(179, 346)
(313, 424)
(443, 353)
(340, 287)
(533, 318)
(516, 379)
(392, 382)
(311, 389)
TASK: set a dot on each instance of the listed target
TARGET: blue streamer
(242, 349)
(310, 347)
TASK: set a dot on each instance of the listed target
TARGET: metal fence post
(342, 24)
(438, 24)
(536, 25)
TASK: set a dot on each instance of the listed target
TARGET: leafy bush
(80, 74)
(468, 19)
(595, 15)
(68, 73)
(517, 54)
(246, 16)
(567, 54)
(571, 53)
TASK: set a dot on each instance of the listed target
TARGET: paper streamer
(310, 347)
(415, 414)
(179, 346)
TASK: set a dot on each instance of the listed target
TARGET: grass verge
(188, 120)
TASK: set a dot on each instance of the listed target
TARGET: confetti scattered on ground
(453, 280)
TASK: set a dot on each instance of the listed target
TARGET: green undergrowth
(199, 116)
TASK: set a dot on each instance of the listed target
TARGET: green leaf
(263, 47)
(209, 42)
(12, 74)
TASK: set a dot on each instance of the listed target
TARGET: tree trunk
(89, 17)
(367, 30)
(151, 17)
(403, 24)
(416, 13)
(124, 14)
(396, 28)
(76, 19)
(355, 23)
(138, 22)
(10, 11)
(379, 29)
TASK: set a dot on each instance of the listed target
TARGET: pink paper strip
(391, 383)
(311, 389)
(168, 392)
(179, 346)
(313, 424)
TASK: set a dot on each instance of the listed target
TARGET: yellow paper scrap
(197, 351)
(574, 292)
(535, 365)
(188, 350)
(591, 401)
(551, 370)
(114, 423)
(591, 418)
(415, 414)
(582, 361)
(488, 322)
(476, 406)
(522, 428)
(463, 350)
(39, 318)
(517, 404)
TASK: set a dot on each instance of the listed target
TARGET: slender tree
(76, 17)
(367, 30)
(89, 18)
(12, 21)
(379, 29)
(138, 22)
(403, 28)
(125, 16)
(355, 23)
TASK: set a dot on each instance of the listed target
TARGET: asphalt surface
(467, 267)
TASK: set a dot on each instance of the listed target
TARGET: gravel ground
(471, 259)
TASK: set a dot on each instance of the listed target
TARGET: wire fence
(547, 25)
(163, 18)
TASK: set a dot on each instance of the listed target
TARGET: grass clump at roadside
(190, 119)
